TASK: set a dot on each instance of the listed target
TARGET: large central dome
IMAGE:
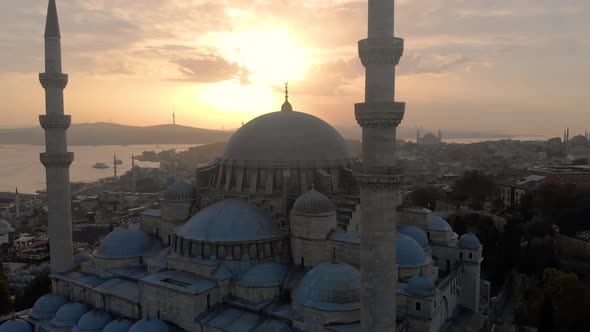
(287, 138)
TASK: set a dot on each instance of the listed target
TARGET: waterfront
(20, 165)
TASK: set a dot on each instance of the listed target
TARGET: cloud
(207, 69)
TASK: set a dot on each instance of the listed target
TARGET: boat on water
(100, 165)
(118, 162)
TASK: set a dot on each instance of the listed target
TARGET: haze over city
(517, 67)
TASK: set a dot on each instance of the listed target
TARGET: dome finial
(286, 105)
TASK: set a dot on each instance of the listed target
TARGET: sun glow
(266, 56)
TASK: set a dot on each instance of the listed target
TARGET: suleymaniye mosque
(286, 231)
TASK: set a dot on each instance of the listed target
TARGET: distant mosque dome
(415, 233)
(119, 325)
(469, 241)
(5, 227)
(264, 275)
(150, 325)
(231, 220)
(409, 253)
(287, 139)
(438, 224)
(16, 325)
(69, 314)
(93, 321)
(82, 257)
(125, 243)
(46, 306)
(180, 191)
(578, 140)
(420, 286)
(313, 202)
(330, 286)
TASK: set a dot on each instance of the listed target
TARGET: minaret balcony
(57, 159)
(53, 80)
(381, 51)
(379, 114)
(55, 121)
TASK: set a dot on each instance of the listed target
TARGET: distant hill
(115, 134)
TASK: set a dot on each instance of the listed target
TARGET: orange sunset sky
(513, 66)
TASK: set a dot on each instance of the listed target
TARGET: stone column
(379, 175)
(56, 157)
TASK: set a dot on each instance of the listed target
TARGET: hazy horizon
(503, 66)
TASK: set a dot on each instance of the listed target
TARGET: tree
(474, 186)
(426, 196)
(5, 301)
(37, 288)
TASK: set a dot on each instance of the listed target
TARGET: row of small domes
(83, 319)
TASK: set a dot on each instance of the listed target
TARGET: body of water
(20, 166)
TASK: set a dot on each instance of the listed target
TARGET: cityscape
(288, 220)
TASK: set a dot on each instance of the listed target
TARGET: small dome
(421, 286)
(330, 286)
(438, 224)
(409, 253)
(5, 227)
(16, 325)
(125, 243)
(264, 275)
(150, 325)
(46, 306)
(82, 257)
(313, 202)
(93, 321)
(469, 241)
(180, 191)
(232, 220)
(415, 233)
(69, 314)
(286, 107)
(119, 325)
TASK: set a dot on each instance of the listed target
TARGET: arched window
(252, 251)
(237, 252)
(267, 251)
(221, 251)
(206, 251)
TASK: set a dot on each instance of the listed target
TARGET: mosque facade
(277, 235)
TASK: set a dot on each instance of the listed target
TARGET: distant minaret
(564, 137)
(439, 136)
(417, 135)
(173, 118)
(379, 116)
(17, 203)
(133, 173)
(115, 165)
(56, 159)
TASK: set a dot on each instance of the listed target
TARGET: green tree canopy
(474, 186)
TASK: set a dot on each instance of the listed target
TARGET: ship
(100, 165)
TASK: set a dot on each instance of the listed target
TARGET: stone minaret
(56, 159)
(133, 173)
(380, 174)
(17, 203)
(115, 165)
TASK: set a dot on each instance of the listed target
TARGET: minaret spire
(115, 165)
(133, 173)
(380, 176)
(17, 203)
(56, 157)
(286, 105)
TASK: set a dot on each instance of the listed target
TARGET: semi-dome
(231, 220)
(438, 224)
(5, 227)
(125, 243)
(82, 257)
(46, 306)
(415, 233)
(313, 202)
(69, 314)
(150, 325)
(119, 325)
(469, 241)
(263, 275)
(330, 287)
(93, 321)
(16, 325)
(287, 139)
(409, 253)
(180, 191)
(421, 286)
